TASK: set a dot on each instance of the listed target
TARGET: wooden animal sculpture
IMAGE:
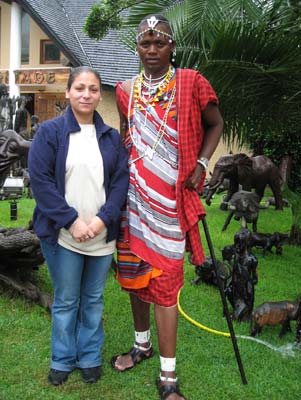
(206, 273)
(270, 201)
(249, 172)
(244, 206)
(266, 241)
(244, 277)
(274, 313)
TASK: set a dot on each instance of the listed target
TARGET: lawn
(206, 363)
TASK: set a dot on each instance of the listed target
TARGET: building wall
(36, 35)
(108, 109)
(30, 85)
(5, 35)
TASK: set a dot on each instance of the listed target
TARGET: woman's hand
(80, 231)
(96, 225)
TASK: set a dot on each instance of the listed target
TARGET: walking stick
(225, 305)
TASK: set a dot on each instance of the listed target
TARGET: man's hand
(193, 182)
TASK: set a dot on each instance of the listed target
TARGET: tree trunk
(14, 242)
(285, 168)
(295, 235)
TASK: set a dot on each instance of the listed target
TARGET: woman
(172, 125)
(79, 176)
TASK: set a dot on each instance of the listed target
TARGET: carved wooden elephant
(249, 172)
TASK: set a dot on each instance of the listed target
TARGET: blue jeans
(77, 331)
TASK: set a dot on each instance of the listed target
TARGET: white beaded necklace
(149, 151)
(154, 88)
(150, 78)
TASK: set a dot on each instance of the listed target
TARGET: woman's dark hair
(79, 70)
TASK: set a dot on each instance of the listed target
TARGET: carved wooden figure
(244, 206)
(206, 273)
(20, 255)
(244, 277)
(249, 172)
(266, 241)
(277, 313)
(12, 148)
(20, 252)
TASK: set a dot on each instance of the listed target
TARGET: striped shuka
(161, 217)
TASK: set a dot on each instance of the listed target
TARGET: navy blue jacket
(47, 165)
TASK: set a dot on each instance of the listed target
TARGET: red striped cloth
(193, 94)
(163, 290)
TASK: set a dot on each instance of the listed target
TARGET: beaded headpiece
(151, 27)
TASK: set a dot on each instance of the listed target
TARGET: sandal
(165, 389)
(137, 354)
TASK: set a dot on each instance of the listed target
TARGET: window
(49, 54)
(24, 38)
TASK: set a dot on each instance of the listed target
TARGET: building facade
(41, 40)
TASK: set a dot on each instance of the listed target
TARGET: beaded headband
(152, 22)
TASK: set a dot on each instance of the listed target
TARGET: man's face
(154, 50)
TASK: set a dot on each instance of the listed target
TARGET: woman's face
(154, 51)
(84, 96)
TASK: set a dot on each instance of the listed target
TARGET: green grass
(206, 363)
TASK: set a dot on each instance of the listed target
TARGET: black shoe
(56, 377)
(91, 375)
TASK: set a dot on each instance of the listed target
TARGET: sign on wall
(41, 76)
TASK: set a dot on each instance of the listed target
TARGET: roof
(63, 20)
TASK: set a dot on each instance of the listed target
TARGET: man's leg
(167, 321)
(141, 313)
(141, 318)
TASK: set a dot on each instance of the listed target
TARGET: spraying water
(287, 350)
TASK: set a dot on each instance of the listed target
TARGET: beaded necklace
(154, 92)
(154, 79)
(149, 151)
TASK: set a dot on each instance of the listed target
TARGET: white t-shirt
(84, 189)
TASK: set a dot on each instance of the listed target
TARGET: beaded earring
(174, 53)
